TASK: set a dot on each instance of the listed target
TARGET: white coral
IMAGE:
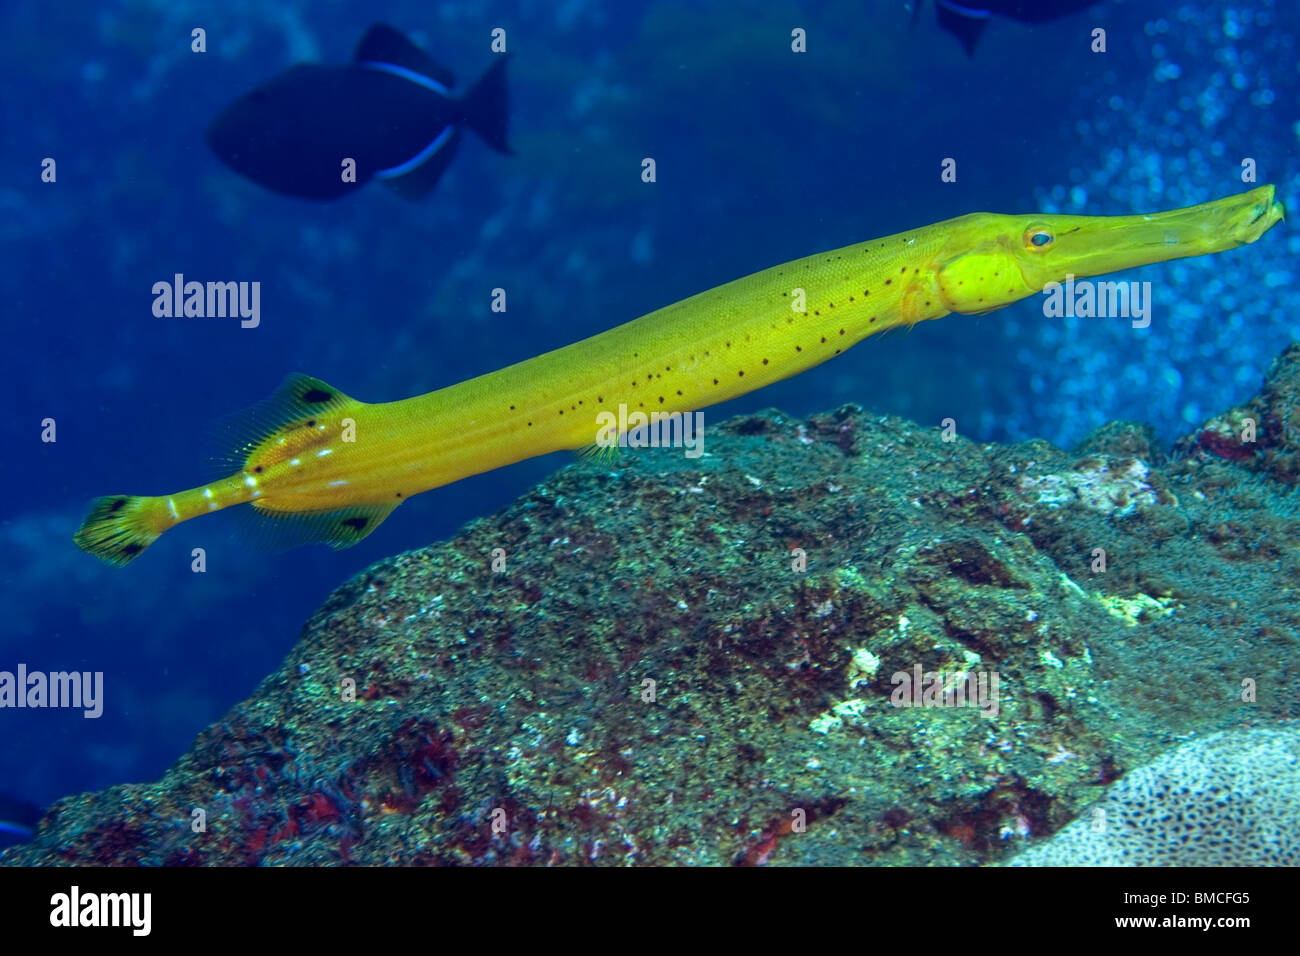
(1119, 492)
(1229, 799)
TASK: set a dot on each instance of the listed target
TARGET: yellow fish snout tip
(1262, 215)
(1271, 207)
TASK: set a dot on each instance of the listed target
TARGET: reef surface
(681, 660)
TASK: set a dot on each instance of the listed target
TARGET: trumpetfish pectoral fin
(602, 454)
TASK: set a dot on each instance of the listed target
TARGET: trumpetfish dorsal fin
(302, 402)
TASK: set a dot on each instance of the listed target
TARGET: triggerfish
(326, 467)
(320, 132)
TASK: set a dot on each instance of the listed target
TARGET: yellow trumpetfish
(333, 467)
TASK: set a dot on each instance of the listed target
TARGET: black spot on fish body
(315, 396)
(117, 505)
(357, 524)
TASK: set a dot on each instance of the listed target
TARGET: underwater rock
(1264, 432)
(698, 660)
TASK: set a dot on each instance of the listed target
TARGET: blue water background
(762, 155)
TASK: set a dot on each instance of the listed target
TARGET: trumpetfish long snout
(322, 466)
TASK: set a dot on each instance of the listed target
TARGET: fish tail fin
(485, 107)
(120, 527)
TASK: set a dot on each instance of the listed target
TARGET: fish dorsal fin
(299, 399)
(384, 45)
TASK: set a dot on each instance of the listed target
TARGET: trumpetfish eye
(1038, 238)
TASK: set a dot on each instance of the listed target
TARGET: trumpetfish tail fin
(120, 527)
(271, 436)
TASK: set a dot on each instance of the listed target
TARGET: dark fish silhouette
(389, 110)
(966, 21)
(17, 820)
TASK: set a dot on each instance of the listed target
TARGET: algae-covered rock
(704, 660)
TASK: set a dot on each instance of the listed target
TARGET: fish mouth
(1109, 244)
(1246, 217)
(1259, 213)
(1218, 225)
(1273, 211)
